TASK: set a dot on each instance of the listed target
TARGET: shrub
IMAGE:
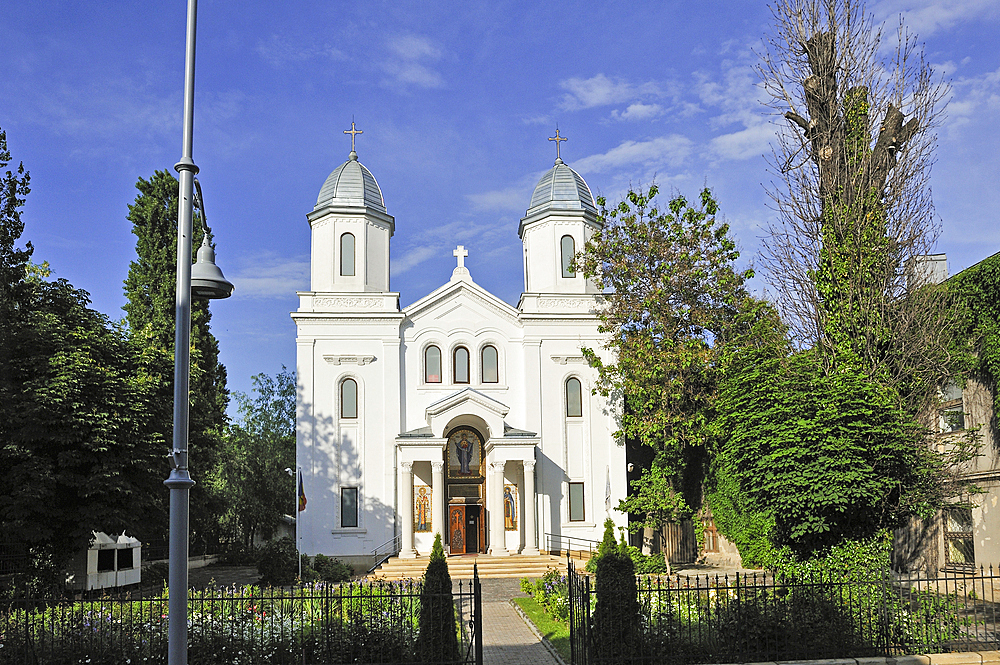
(617, 621)
(332, 570)
(551, 591)
(278, 564)
(437, 640)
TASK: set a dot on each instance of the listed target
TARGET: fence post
(478, 604)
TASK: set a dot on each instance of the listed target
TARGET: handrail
(558, 539)
(386, 555)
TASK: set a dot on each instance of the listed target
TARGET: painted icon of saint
(464, 448)
(509, 513)
(422, 510)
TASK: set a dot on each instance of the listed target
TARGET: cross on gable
(557, 139)
(460, 253)
(353, 131)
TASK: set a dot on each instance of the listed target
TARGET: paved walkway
(506, 638)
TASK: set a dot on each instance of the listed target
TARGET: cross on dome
(460, 253)
(557, 139)
(353, 131)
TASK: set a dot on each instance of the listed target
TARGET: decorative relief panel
(564, 303)
(353, 302)
(562, 360)
(348, 360)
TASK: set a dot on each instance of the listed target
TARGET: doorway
(472, 520)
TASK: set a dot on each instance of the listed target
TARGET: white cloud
(411, 259)
(638, 111)
(977, 95)
(269, 276)
(278, 50)
(600, 90)
(410, 64)
(744, 144)
(511, 198)
(925, 17)
(670, 150)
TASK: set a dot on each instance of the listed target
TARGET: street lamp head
(289, 471)
(207, 280)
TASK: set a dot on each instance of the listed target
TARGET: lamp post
(295, 510)
(210, 284)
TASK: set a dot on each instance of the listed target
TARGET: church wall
(337, 453)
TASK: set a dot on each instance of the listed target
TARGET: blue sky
(456, 101)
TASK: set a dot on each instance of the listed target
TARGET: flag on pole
(302, 494)
(607, 493)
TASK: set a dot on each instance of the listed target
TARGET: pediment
(462, 299)
(467, 407)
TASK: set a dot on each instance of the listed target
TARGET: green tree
(437, 639)
(672, 293)
(150, 288)
(617, 621)
(256, 450)
(13, 263)
(853, 196)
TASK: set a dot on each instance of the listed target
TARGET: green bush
(278, 564)
(616, 619)
(332, 570)
(551, 591)
(437, 639)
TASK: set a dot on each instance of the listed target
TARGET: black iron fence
(370, 622)
(756, 617)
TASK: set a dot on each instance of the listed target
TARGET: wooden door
(456, 529)
(482, 529)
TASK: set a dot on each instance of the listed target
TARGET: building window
(432, 365)
(348, 507)
(126, 559)
(461, 365)
(568, 249)
(348, 398)
(576, 511)
(105, 561)
(952, 408)
(491, 365)
(347, 255)
(958, 542)
(574, 398)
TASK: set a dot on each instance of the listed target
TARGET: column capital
(407, 466)
(529, 466)
(437, 466)
(497, 467)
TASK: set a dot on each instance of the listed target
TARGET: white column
(497, 545)
(528, 518)
(438, 518)
(406, 510)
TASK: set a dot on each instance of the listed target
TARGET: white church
(458, 415)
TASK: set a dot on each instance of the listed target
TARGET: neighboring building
(961, 537)
(459, 414)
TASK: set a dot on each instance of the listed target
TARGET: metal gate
(579, 616)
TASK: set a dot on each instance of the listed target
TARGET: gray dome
(351, 184)
(561, 188)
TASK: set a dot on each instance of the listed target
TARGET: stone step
(461, 567)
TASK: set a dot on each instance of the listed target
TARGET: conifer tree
(151, 291)
(437, 641)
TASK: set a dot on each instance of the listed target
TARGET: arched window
(461, 365)
(491, 365)
(574, 398)
(348, 398)
(432, 365)
(568, 247)
(347, 255)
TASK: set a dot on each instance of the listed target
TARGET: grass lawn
(555, 631)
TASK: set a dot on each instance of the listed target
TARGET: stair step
(461, 567)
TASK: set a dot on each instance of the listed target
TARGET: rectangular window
(105, 561)
(126, 559)
(576, 512)
(959, 549)
(952, 408)
(348, 507)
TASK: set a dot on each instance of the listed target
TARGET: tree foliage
(77, 451)
(437, 639)
(977, 290)
(256, 450)
(672, 293)
(852, 193)
(617, 621)
(150, 288)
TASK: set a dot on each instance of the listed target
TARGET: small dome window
(347, 255)
(568, 250)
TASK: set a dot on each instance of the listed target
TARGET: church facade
(459, 414)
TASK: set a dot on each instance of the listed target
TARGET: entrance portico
(481, 471)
